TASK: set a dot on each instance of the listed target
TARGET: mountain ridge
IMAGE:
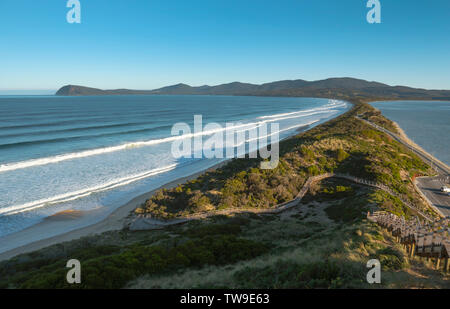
(341, 87)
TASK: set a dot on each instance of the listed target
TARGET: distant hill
(332, 87)
(74, 90)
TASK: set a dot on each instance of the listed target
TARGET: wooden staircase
(429, 240)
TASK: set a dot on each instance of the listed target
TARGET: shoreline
(119, 217)
(402, 134)
(114, 221)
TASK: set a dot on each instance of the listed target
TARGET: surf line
(70, 196)
(75, 155)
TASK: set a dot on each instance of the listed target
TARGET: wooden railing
(430, 241)
(383, 188)
(146, 222)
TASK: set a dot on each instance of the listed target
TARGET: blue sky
(145, 44)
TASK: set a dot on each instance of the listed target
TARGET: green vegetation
(311, 249)
(392, 258)
(343, 145)
(290, 275)
(113, 267)
(324, 242)
(375, 116)
(343, 88)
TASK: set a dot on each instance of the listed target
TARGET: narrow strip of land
(429, 187)
(149, 223)
(439, 166)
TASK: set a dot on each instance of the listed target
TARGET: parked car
(445, 189)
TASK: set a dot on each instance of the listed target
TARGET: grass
(343, 145)
(313, 251)
(324, 242)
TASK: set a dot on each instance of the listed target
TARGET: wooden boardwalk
(383, 188)
(147, 222)
(428, 241)
(428, 190)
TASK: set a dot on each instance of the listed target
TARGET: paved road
(440, 169)
(430, 186)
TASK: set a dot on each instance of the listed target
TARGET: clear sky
(145, 44)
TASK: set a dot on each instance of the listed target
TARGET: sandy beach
(115, 221)
(410, 142)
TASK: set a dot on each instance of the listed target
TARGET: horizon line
(205, 85)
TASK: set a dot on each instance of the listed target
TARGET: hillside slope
(348, 87)
(323, 242)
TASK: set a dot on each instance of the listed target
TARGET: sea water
(427, 123)
(98, 152)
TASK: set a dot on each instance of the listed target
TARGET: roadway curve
(428, 186)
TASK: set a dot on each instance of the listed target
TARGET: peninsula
(343, 87)
(305, 221)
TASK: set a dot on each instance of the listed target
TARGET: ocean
(427, 123)
(98, 152)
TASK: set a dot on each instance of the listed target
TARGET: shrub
(341, 155)
(288, 274)
(115, 270)
(214, 229)
(391, 259)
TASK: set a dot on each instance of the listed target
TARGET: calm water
(425, 122)
(96, 153)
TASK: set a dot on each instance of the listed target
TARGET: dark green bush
(288, 274)
(115, 270)
(391, 259)
(214, 229)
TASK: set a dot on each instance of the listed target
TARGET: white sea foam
(273, 133)
(333, 104)
(61, 198)
(98, 151)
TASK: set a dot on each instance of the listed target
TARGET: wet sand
(409, 141)
(115, 221)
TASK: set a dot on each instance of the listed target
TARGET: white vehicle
(445, 189)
